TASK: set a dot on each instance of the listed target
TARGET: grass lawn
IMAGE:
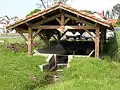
(18, 70)
(21, 72)
(88, 74)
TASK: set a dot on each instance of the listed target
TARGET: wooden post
(30, 41)
(102, 40)
(62, 23)
(47, 39)
(97, 43)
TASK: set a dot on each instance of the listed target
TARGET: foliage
(116, 10)
(47, 3)
(88, 11)
(19, 45)
(19, 71)
(6, 20)
(88, 74)
(33, 11)
(117, 23)
(112, 48)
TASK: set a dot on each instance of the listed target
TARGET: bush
(112, 47)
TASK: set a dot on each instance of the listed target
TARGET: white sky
(94, 5)
(22, 7)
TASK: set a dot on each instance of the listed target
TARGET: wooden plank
(41, 37)
(85, 16)
(62, 19)
(23, 36)
(32, 17)
(58, 21)
(21, 31)
(90, 35)
(44, 17)
(30, 41)
(67, 20)
(79, 20)
(102, 40)
(62, 23)
(66, 27)
(97, 43)
(46, 20)
(36, 34)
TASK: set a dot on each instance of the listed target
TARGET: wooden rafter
(46, 20)
(85, 16)
(41, 37)
(58, 20)
(63, 34)
(90, 34)
(21, 30)
(33, 37)
(54, 37)
(44, 17)
(23, 36)
(79, 20)
(66, 27)
(67, 20)
(62, 27)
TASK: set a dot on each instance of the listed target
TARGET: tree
(33, 11)
(116, 10)
(4, 21)
(107, 14)
(47, 3)
(88, 11)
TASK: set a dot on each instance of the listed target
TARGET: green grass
(112, 48)
(17, 70)
(88, 74)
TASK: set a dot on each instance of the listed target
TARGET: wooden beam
(46, 20)
(87, 17)
(79, 20)
(21, 33)
(30, 41)
(66, 27)
(90, 35)
(32, 17)
(36, 34)
(63, 34)
(62, 23)
(58, 20)
(67, 20)
(23, 36)
(41, 37)
(97, 41)
(21, 30)
(102, 40)
(54, 37)
(43, 17)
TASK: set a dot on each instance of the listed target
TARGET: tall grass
(88, 74)
(112, 48)
(21, 72)
(18, 71)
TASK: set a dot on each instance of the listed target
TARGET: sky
(21, 8)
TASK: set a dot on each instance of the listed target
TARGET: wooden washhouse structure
(57, 20)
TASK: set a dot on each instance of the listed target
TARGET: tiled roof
(67, 8)
(113, 21)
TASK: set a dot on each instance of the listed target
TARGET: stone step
(59, 70)
(62, 64)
